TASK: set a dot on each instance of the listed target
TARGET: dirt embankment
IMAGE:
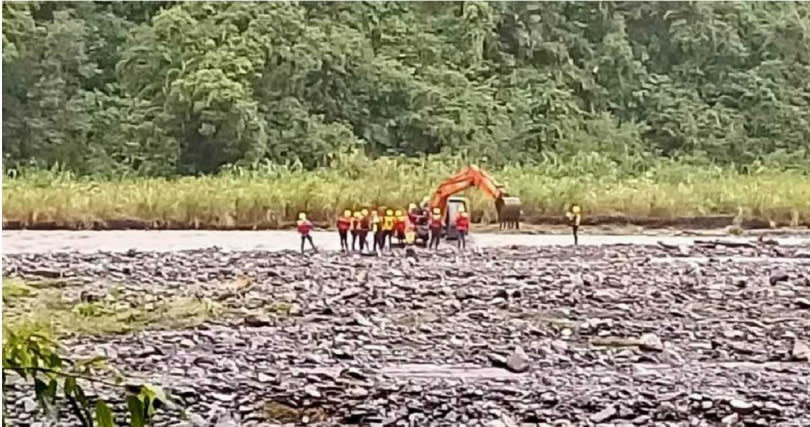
(535, 223)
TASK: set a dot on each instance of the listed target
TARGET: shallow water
(31, 241)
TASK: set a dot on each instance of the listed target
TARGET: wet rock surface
(612, 335)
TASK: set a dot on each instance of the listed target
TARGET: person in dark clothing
(575, 216)
(355, 229)
(304, 228)
(435, 228)
(376, 231)
(362, 232)
(343, 224)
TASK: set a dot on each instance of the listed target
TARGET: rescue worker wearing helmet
(435, 228)
(574, 215)
(355, 228)
(401, 220)
(304, 228)
(376, 230)
(387, 227)
(462, 226)
(344, 222)
(362, 232)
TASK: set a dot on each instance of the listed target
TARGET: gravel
(624, 334)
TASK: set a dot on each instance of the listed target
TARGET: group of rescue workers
(385, 225)
(393, 223)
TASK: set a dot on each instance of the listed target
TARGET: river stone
(257, 321)
(741, 407)
(650, 342)
(29, 405)
(777, 277)
(800, 351)
(518, 361)
(803, 303)
(604, 415)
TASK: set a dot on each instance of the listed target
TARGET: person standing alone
(304, 229)
(574, 216)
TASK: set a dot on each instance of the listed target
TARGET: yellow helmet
(347, 212)
(365, 212)
(437, 210)
(302, 216)
(375, 213)
(389, 212)
(411, 206)
(357, 214)
(576, 209)
(398, 212)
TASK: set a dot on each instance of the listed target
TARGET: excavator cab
(453, 204)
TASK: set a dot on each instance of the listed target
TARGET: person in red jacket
(399, 226)
(304, 228)
(344, 222)
(462, 226)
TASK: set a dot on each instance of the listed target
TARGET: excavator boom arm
(469, 177)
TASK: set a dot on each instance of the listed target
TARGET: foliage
(44, 308)
(270, 196)
(168, 88)
(35, 358)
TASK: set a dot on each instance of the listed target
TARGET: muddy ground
(687, 335)
(30, 241)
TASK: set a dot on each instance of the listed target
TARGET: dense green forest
(166, 88)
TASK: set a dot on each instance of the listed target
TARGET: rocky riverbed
(603, 335)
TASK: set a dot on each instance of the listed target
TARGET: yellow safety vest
(388, 223)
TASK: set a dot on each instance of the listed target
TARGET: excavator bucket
(508, 211)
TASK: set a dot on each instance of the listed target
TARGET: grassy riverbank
(271, 197)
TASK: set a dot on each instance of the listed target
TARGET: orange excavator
(508, 207)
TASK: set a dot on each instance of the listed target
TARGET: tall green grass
(271, 196)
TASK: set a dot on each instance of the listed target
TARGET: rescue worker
(355, 228)
(362, 233)
(387, 228)
(376, 230)
(344, 222)
(462, 226)
(435, 228)
(574, 215)
(399, 226)
(410, 233)
(304, 229)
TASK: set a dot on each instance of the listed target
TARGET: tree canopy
(165, 88)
